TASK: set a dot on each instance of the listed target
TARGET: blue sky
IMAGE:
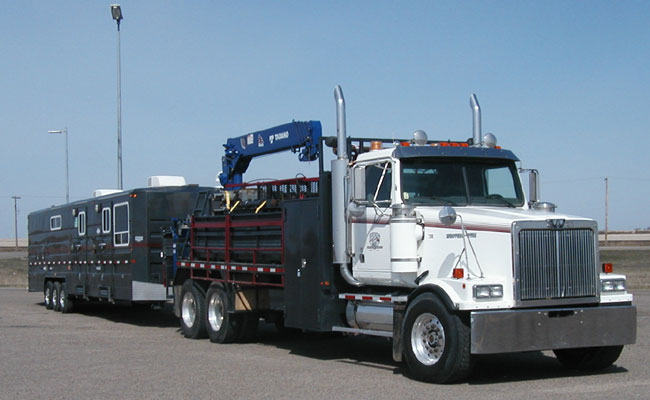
(562, 84)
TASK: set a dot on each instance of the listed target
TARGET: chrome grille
(556, 264)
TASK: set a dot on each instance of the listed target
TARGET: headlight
(613, 285)
(488, 291)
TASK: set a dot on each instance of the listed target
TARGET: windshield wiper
(501, 199)
(448, 202)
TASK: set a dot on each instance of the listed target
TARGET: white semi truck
(431, 243)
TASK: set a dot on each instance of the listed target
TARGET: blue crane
(303, 136)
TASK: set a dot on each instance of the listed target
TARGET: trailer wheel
(47, 295)
(56, 306)
(436, 341)
(222, 326)
(66, 304)
(589, 358)
(192, 311)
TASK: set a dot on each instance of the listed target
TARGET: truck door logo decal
(374, 241)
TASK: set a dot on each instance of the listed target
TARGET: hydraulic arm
(295, 136)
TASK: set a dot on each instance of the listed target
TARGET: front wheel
(436, 341)
(589, 358)
(192, 311)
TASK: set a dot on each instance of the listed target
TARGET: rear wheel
(47, 295)
(66, 304)
(589, 358)
(436, 341)
(222, 326)
(192, 311)
(56, 290)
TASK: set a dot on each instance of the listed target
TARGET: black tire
(55, 296)
(66, 303)
(589, 358)
(192, 311)
(436, 341)
(47, 295)
(222, 326)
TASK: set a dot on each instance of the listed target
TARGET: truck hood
(497, 219)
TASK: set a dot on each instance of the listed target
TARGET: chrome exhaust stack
(339, 193)
(476, 114)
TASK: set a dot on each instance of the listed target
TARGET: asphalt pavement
(117, 352)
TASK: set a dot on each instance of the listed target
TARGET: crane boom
(303, 136)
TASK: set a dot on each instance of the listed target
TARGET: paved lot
(114, 352)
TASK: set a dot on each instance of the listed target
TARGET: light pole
(16, 217)
(606, 208)
(116, 12)
(67, 174)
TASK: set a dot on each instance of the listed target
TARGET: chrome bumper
(507, 331)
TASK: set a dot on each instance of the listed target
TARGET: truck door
(369, 217)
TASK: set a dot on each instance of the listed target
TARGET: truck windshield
(460, 182)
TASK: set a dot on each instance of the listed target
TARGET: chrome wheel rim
(62, 298)
(48, 296)
(428, 339)
(189, 309)
(215, 312)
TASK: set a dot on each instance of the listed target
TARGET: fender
(431, 288)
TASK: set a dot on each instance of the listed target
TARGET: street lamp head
(116, 11)
(55, 132)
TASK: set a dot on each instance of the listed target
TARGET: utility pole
(16, 218)
(606, 208)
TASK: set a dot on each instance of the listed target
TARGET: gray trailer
(107, 247)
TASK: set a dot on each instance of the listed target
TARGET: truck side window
(121, 224)
(378, 182)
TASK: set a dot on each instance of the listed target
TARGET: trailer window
(106, 220)
(81, 223)
(121, 224)
(55, 223)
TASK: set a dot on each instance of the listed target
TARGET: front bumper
(506, 331)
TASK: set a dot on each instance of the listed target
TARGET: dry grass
(13, 272)
(633, 263)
